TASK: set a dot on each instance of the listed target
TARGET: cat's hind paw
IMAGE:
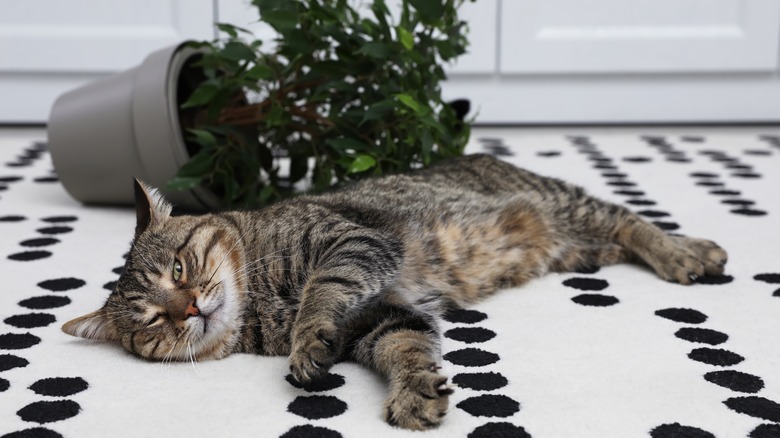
(419, 402)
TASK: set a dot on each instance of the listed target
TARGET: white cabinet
(530, 61)
(50, 46)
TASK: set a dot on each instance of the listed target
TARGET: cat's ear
(150, 207)
(95, 325)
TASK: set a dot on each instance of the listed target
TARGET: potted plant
(341, 95)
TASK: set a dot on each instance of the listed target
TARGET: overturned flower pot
(105, 133)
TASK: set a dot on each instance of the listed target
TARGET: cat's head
(181, 292)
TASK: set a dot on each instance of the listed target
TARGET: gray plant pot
(105, 133)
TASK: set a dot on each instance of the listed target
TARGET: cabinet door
(49, 46)
(639, 36)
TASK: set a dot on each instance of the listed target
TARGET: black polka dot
(59, 386)
(596, 300)
(4, 385)
(592, 269)
(735, 381)
(59, 219)
(499, 430)
(12, 218)
(45, 302)
(723, 192)
(677, 430)
(629, 192)
(49, 411)
(737, 202)
(600, 159)
(703, 335)
(652, 213)
(480, 381)
(679, 160)
(750, 175)
(471, 357)
(704, 175)
(330, 381)
(613, 175)
(771, 278)
(19, 163)
(28, 256)
(9, 362)
(605, 166)
(490, 405)
(464, 316)
(10, 179)
(46, 179)
(62, 284)
(583, 283)
(715, 356)
(621, 183)
(737, 166)
(548, 153)
(776, 293)
(3, 187)
(755, 406)
(309, 431)
(666, 226)
(54, 230)
(17, 341)
(30, 320)
(710, 184)
(688, 316)
(315, 407)
(470, 335)
(641, 202)
(35, 432)
(43, 241)
(118, 270)
(637, 159)
(766, 431)
(110, 285)
(749, 212)
(758, 152)
(692, 139)
(715, 279)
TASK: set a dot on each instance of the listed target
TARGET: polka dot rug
(604, 352)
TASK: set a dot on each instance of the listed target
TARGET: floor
(614, 352)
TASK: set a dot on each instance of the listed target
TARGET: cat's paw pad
(314, 351)
(419, 401)
(708, 252)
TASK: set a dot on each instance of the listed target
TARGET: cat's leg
(402, 344)
(351, 269)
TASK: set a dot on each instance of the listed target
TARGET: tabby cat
(363, 272)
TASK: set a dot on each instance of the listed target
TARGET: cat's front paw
(314, 350)
(418, 401)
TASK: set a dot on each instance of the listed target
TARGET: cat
(363, 272)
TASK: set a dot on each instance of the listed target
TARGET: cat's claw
(314, 351)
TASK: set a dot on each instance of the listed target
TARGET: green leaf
(259, 72)
(377, 110)
(279, 19)
(184, 183)
(232, 30)
(198, 166)
(202, 95)
(345, 144)
(203, 137)
(362, 163)
(376, 50)
(430, 10)
(405, 37)
(410, 102)
(237, 51)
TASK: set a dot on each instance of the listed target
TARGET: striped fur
(363, 272)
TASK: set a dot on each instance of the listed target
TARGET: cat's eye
(156, 319)
(177, 270)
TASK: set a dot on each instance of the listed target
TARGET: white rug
(614, 353)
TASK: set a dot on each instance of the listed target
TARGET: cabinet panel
(638, 36)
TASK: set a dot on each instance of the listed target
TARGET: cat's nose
(191, 310)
